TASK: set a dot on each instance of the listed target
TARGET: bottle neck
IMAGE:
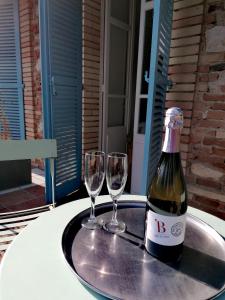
(171, 141)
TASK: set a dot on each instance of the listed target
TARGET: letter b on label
(160, 226)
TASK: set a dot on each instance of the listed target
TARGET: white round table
(34, 267)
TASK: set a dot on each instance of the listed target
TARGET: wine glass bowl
(116, 177)
(94, 174)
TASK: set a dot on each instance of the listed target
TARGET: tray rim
(122, 204)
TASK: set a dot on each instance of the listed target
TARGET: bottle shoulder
(167, 190)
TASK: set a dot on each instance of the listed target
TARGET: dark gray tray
(118, 267)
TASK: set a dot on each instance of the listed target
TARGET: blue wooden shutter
(61, 55)
(161, 35)
(11, 89)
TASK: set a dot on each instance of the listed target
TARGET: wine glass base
(115, 227)
(92, 223)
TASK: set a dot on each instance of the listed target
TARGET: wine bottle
(167, 196)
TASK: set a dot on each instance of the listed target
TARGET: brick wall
(91, 73)
(30, 52)
(206, 171)
(30, 56)
(197, 64)
(183, 64)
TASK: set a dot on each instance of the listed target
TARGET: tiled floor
(23, 198)
(31, 196)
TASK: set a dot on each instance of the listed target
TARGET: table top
(34, 266)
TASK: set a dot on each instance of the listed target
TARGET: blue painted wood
(11, 87)
(161, 36)
(61, 59)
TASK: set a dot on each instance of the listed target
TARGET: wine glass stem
(92, 214)
(114, 214)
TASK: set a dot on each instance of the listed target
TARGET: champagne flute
(116, 177)
(94, 174)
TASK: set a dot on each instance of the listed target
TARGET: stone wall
(206, 161)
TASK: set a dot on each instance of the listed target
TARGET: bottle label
(165, 230)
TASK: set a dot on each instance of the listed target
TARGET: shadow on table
(194, 263)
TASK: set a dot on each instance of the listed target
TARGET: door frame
(144, 7)
(104, 69)
(139, 138)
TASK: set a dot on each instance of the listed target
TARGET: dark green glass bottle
(167, 196)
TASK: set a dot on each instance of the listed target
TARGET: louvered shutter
(61, 48)
(11, 91)
(161, 35)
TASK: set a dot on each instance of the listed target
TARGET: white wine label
(165, 230)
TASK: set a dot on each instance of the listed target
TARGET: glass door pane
(117, 60)
(116, 111)
(120, 10)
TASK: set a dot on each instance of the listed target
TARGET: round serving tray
(118, 267)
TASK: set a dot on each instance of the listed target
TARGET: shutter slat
(11, 102)
(64, 50)
(161, 35)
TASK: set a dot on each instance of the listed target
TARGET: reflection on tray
(117, 266)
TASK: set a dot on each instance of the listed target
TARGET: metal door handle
(146, 77)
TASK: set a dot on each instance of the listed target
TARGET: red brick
(25, 44)
(195, 139)
(208, 183)
(23, 4)
(185, 139)
(184, 155)
(27, 71)
(211, 123)
(197, 114)
(207, 201)
(213, 77)
(186, 68)
(217, 106)
(203, 77)
(222, 88)
(218, 151)
(26, 61)
(213, 97)
(25, 23)
(199, 105)
(210, 18)
(214, 142)
(23, 20)
(182, 105)
(26, 49)
(187, 122)
(202, 86)
(216, 115)
(25, 11)
(211, 58)
(187, 22)
(203, 69)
